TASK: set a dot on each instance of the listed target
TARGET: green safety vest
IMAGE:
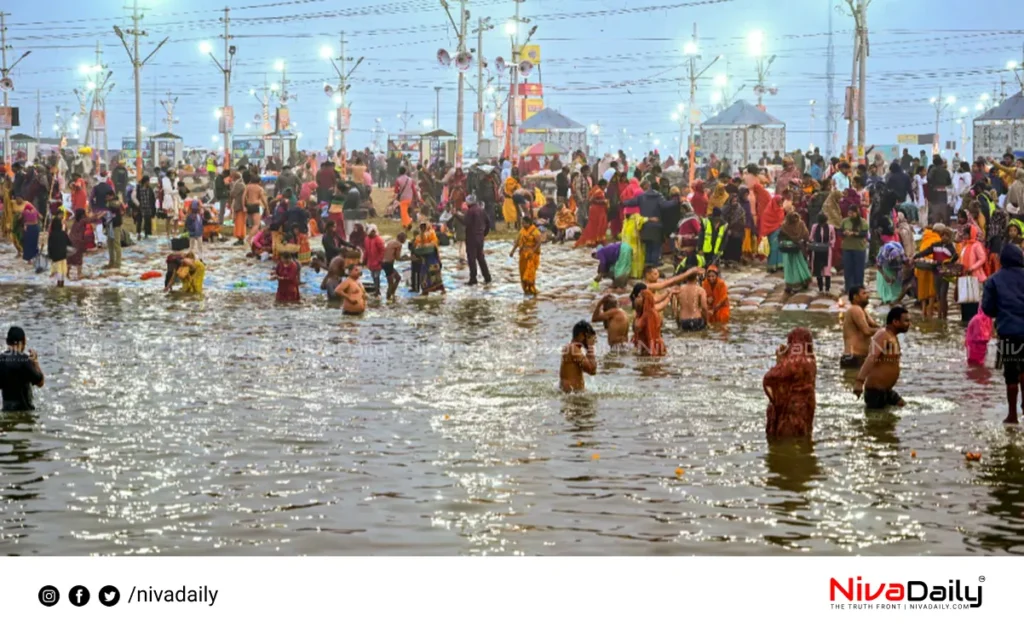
(682, 267)
(716, 246)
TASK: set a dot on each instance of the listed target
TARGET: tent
(1001, 128)
(741, 132)
(551, 126)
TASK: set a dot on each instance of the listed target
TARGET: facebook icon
(79, 596)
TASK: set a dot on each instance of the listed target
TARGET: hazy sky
(609, 61)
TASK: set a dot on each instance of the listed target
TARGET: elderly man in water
(858, 328)
(578, 358)
(881, 370)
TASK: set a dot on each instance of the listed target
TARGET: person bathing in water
(616, 323)
(578, 359)
(690, 304)
(352, 293)
(881, 370)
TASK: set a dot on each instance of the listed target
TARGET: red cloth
(597, 222)
(308, 188)
(632, 190)
(790, 387)
(287, 281)
(699, 199)
(647, 327)
(79, 195)
(769, 214)
(374, 248)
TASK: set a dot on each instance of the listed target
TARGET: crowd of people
(928, 236)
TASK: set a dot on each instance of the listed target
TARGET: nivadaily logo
(913, 594)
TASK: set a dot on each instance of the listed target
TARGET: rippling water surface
(229, 425)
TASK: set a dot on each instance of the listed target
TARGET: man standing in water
(392, 254)
(691, 306)
(578, 358)
(616, 323)
(1003, 300)
(19, 372)
(881, 370)
(477, 227)
(858, 328)
(352, 293)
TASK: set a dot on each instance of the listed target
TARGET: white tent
(1001, 128)
(741, 132)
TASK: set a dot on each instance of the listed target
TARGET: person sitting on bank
(19, 372)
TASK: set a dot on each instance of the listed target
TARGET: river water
(228, 425)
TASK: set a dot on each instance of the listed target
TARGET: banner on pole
(227, 119)
(850, 105)
(344, 119)
(6, 118)
(283, 119)
(99, 120)
(907, 139)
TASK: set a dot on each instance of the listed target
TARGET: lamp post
(227, 116)
(940, 105)
(691, 50)
(755, 41)
(339, 93)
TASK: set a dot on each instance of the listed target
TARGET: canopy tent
(437, 134)
(544, 149)
(741, 132)
(551, 126)
(1001, 128)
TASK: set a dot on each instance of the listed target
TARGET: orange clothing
(717, 293)
(314, 230)
(529, 257)
(406, 219)
(239, 231)
(429, 238)
(647, 327)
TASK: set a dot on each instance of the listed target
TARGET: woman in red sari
(790, 387)
(647, 324)
(287, 276)
(597, 224)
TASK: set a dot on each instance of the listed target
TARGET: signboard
(530, 107)
(403, 145)
(128, 149)
(888, 152)
(530, 90)
(927, 139)
(99, 120)
(227, 119)
(531, 52)
(6, 118)
(499, 128)
(907, 139)
(344, 119)
(283, 119)
(165, 152)
(20, 150)
(251, 148)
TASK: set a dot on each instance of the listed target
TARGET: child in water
(287, 276)
(979, 333)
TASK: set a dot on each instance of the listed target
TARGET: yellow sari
(508, 209)
(529, 257)
(631, 236)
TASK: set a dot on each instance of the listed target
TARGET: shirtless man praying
(616, 323)
(881, 370)
(858, 328)
(578, 358)
(352, 293)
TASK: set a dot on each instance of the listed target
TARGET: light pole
(691, 50)
(810, 135)
(227, 116)
(595, 131)
(755, 40)
(512, 29)
(7, 84)
(339, 93)
(940, 105)
(677, 116)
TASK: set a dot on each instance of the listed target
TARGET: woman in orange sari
(508, 208)
(528, 244)
(594, 234)
(646, 323)
(718, 296)
(790, 387)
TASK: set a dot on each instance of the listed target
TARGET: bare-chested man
(690, 304)
(660, 288)
(352, 293)
(881, 370)
(616, 323)
(858, 328)
(392, 254)
(578, 358)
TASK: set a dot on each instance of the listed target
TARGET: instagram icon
(49, 596)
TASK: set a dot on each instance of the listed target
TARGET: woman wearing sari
(790, 387)
(823, 239)
(427, 189)
(425, 247)
(973, 257)
(647, 323)
(834, 212)
(508, 208)
(78, 243)
(616, 188)
(890, 262)
(793, 236)
(699, 199)
(631, 230)
(594, 234)
(528, 243)
(29, 229)
(457, 190)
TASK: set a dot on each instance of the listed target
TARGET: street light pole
(693, 52)
(228, 118)
(483, 25)
(137, 64)
(4, 72)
